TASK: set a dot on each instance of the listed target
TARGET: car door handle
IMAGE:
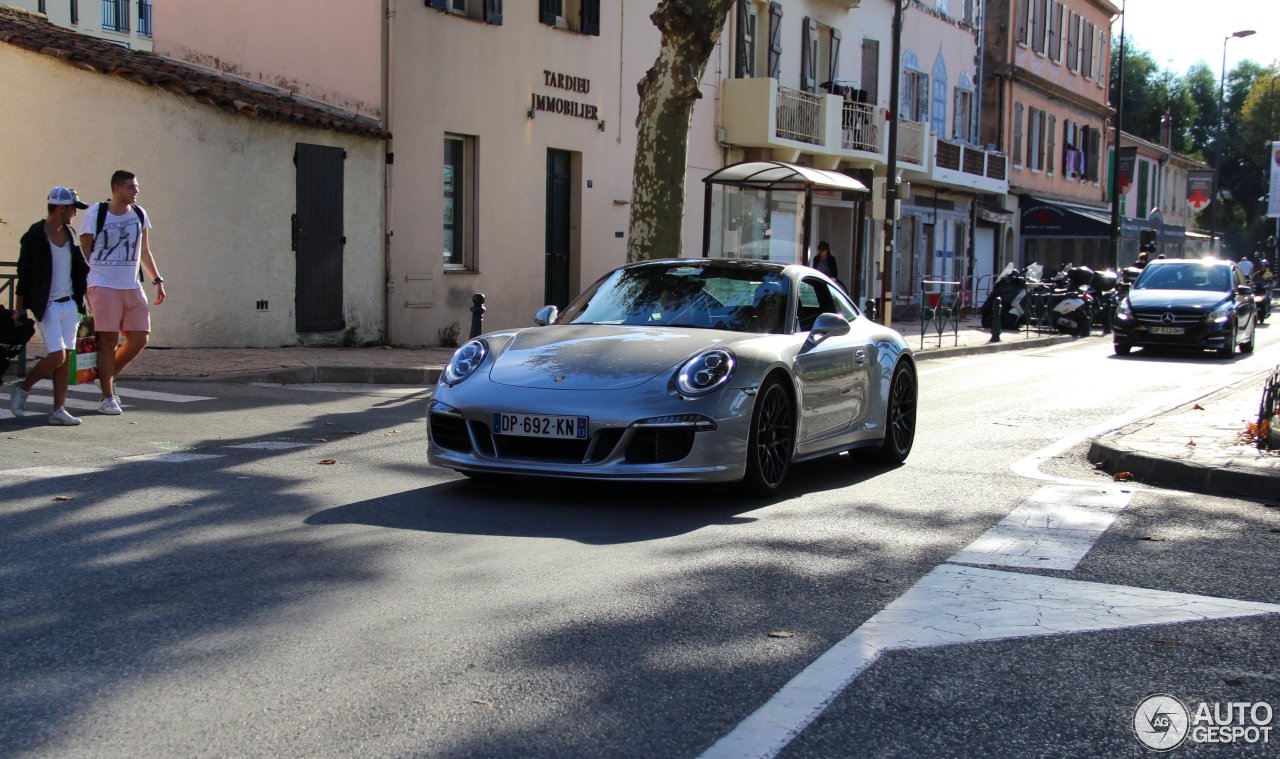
(860, 356)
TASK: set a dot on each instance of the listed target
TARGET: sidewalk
(1156, 451)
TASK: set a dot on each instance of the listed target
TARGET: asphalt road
(275, 571)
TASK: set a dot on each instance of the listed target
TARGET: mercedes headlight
(1124, 310)
(1220, 314)
(705, 372)
(465, 361)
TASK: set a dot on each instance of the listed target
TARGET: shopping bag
(84, 360)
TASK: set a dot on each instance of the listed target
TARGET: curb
(1000, 347)
(1115, 456)
(1182, 475)
(304, 375)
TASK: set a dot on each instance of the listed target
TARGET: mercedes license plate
(540, 425)
(1167, 330)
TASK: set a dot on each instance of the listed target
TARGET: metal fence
(860, 126)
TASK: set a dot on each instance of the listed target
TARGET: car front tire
(1122, 349)
(771, 441)
(1229, 348)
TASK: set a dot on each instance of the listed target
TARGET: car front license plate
(1167, 330)
(540, 425)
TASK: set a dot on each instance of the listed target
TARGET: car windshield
(1185, 276)
(695, 294)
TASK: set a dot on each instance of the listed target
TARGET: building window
(962, 122)
(40, 7)
(1017, 134)
(144, 18)
(75, 11)
(915, 95)
(459, 192)
(115, 15)
(1039, 11)
(750, 26)
(1055, 32)
(1024, 11)
(1035, 154)
(574, 15)
(1073, 42)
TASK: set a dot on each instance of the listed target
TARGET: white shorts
(58, 327)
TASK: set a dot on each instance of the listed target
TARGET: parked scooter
(1105, 298)
(1067, 304)
(1011, 288)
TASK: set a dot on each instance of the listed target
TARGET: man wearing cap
(116, 246)
(52, 276)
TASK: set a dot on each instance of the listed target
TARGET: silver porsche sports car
(692, 370)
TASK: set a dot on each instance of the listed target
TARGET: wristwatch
(158, 281)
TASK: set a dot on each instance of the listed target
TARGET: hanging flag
(1199, 188)
(1128, 157)
(1273, 204)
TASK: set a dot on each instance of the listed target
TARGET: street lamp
(1217, 143)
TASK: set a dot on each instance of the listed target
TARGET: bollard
(477, 314)
(870, 309)
(997, 319)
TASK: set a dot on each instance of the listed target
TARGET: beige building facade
(230, 177)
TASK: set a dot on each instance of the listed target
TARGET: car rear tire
(900, 417)
(1122, 349)
(772, 440)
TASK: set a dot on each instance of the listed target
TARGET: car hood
(597, 357)
(1207, 300)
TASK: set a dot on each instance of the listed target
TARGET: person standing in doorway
(115, 239)
(52, 276)
(825, 262)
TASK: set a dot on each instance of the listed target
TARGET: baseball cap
(65, 196)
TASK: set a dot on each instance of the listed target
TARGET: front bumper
(1131, 331)
(631, 436)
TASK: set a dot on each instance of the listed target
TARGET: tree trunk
(668, 92)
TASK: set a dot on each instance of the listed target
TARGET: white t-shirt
(60, 279)
(114, 259)
(1246, 268)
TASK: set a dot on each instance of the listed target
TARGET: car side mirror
(1244, 290)
(546, 315)
(1123, 288)
(827, 325)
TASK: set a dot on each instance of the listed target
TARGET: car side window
(817, 298)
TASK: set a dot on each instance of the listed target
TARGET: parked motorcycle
(1011, 288)
(1105, 297)
(1064, 301)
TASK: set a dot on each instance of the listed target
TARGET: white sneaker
(110, 406)
(18, 400)
(61, 418)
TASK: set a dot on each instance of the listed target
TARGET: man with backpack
(115, 241)
(51, 285)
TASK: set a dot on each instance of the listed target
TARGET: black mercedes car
(1187, 303)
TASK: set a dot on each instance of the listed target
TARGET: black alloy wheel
(772, 440)
(900, 417)
(1229, 348)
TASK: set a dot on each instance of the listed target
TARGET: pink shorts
(119, 310)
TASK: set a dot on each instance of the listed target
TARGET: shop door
(984, 259)
(835, 225)
(559, 165)
(318, 238)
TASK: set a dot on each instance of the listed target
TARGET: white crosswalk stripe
(41, 399)
(269, 445)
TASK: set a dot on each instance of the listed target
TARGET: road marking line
(169, 458)
(955, 605)
(49, 472)
(1054, 529)
(269, 445)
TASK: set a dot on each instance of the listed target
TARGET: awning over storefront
(1045, 218)
(775, 175)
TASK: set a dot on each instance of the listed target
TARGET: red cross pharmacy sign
(1199, 188)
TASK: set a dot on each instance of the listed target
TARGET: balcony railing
(911, 140)
(799, 115)
(948, 156)
(958, 157)
(860, 128)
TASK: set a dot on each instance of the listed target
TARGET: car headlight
(1220, 314)
(705, 372)
(1124, 310)
(465, 361)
